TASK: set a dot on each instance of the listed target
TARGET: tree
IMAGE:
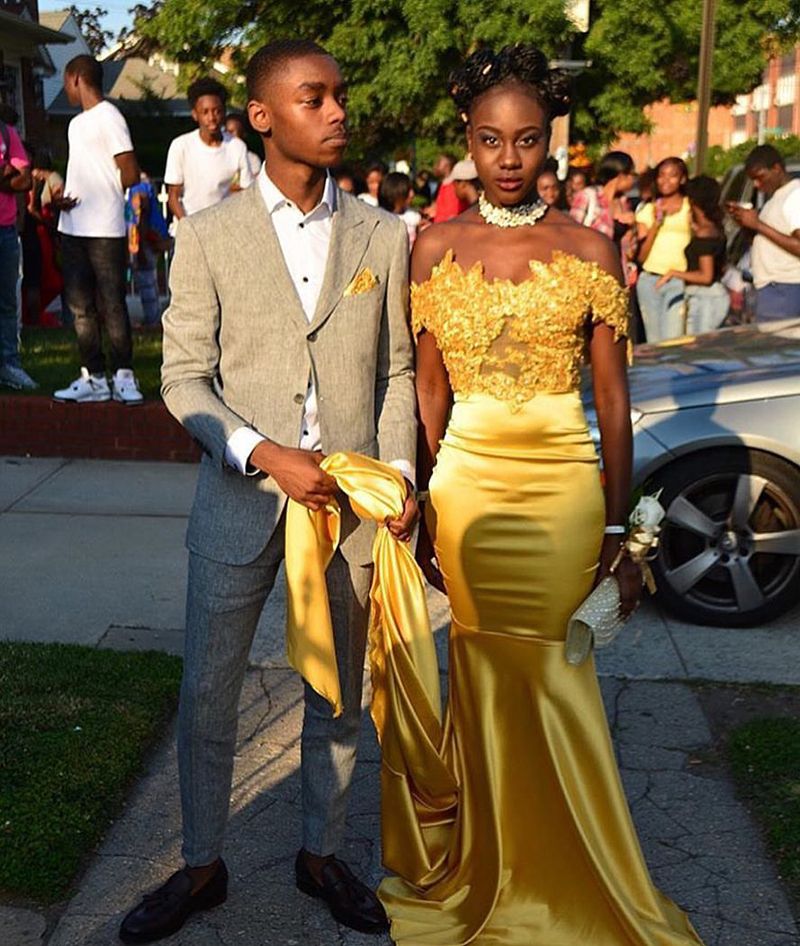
(397, 54)
(91, 27)
(641, 53)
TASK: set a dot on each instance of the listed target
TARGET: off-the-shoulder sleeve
(423, 307)
(426, 298)
(609, 302)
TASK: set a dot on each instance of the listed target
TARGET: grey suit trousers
(223, 608)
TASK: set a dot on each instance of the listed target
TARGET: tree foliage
(90, 23)
(397, 54)
(641, 53)
(720, 160)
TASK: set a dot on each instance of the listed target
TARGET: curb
(41, 427)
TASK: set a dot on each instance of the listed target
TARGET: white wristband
(615, 530)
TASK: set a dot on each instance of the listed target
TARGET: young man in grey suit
(286, 336)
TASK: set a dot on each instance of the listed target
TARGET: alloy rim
(732, 542)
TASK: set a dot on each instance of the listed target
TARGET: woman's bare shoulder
(433, 243)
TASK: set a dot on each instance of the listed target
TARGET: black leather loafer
(351, 902)
(164, 911)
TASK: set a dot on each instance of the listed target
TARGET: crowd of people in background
(86, 240)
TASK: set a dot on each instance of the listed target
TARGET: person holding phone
(776, 243)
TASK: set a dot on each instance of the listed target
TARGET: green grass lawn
(75, 724)
(50, 356)
(765, 758)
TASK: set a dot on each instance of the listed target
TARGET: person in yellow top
(664, 229)
(507, 824)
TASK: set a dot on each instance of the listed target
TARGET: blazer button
(299, 398)
(312, 337)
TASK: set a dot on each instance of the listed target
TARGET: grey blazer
(238, 350)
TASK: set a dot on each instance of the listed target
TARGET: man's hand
(402, 526)
(297, 472)
(746, 217)
(628, 575)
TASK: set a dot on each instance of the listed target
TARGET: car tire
(729, 553)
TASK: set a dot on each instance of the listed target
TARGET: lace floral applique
(511, 340)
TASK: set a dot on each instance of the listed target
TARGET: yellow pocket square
(363, 282)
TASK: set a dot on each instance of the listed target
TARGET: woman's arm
(647, 239)
(704, 276)
(175, 192)
(612, 403)
(434, 399)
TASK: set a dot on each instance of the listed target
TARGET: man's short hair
(763, 156)
(270, 58)
(88, 69)
(206, 86)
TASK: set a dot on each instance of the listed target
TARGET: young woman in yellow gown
(514, 830)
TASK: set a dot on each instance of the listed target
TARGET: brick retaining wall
(40, 427)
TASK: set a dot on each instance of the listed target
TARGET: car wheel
(730, 544)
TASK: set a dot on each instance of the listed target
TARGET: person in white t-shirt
(206, 165)
(236, 125)
(775, 256)
(101, 164)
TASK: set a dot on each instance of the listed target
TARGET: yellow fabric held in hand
(399, 625)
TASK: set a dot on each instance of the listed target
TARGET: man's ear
(260, 117)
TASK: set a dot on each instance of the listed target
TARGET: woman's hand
(628, 575)
(663, 280)
(426, 558)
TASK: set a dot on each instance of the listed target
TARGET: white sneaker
(126, 387)
(89, 387)
(14, 377)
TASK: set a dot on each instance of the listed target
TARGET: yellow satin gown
(508, 825)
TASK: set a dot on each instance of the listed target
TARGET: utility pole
(704, 82)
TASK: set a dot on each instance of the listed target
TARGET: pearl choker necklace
(523, 215)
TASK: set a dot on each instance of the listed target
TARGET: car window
(737, 185)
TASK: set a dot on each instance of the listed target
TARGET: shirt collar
(275, 199)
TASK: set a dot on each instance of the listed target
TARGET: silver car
(716, 421)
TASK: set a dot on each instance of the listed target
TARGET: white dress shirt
(304, 241)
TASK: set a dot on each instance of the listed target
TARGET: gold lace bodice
(512, 340)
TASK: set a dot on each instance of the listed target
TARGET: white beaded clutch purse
(597, 621)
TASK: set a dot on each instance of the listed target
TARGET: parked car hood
(746, 362)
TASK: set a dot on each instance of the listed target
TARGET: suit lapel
(350, 234)
(270, 274)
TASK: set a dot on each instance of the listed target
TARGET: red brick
(40, 426)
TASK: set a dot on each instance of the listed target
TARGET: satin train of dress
(515, 831)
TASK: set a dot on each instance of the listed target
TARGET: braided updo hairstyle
(523, 63)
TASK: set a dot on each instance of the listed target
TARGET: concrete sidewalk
(94, 553)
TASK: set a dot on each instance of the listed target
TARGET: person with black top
(707, 299)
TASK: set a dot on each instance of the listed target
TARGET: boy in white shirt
(101, 165)
(775, 257)
(206, 165)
